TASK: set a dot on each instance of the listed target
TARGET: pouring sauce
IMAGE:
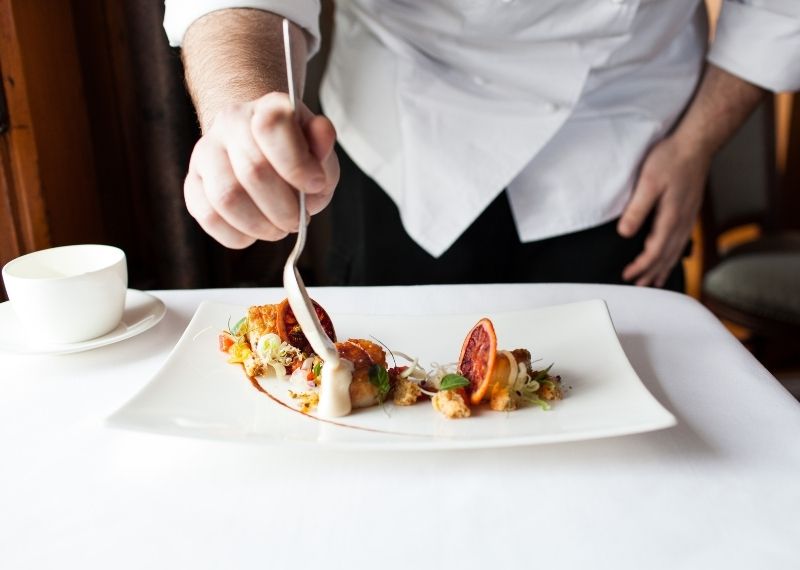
(337, 373)
(334, 393)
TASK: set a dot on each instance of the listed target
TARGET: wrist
(693, 145)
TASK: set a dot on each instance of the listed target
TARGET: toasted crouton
(261, 320)
(551, 389)
(405, 392)
(451, 404)
(253, 366)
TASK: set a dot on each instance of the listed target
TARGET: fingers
(651, 264)
(663, 249)
(658, 272)
(281, 139)
(211, 222)
(644, 197)
(224, 195)
(654, 244)
(273, 197)
(317, 202)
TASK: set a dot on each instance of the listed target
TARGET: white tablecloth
(720, 490)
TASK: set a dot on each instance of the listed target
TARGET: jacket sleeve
(180, 14)
(759, 41)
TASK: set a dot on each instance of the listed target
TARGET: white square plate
(197, 393)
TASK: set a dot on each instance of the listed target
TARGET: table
(720, 490)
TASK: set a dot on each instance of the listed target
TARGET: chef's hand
(673, 174)
(245, 170)
(671, 181)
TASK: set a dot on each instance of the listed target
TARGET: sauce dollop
(334, 392)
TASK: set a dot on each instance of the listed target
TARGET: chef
(477, 140)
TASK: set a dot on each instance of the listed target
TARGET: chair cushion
(766, 285)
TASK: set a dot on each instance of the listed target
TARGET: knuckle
(200, 149)
(225, 116)
(270, 115)
(255, 172)
(274, 99)
(207, 218)
(228, 119)
(227, 195)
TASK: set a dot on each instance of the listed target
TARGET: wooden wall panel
(10, 238)
(48, 141)
(21, 156)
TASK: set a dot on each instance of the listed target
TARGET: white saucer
(142, 312)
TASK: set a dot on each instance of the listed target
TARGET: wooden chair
(756, 284)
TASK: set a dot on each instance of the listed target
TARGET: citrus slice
(289, 329)
(477, 360)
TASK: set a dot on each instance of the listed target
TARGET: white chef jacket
(447, 102)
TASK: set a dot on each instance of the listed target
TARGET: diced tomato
(395, 371)
(225, 341)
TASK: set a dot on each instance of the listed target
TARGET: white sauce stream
(334, 392)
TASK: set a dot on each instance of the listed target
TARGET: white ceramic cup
(68, 294)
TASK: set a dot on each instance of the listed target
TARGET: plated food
(268, 341)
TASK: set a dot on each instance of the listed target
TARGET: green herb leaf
(527, 392)
(240, 327)
(317, 368)
(453, 381)
(379, 377)
(541, 375)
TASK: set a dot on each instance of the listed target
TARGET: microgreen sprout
(525, 389)
(379, 377)
(239, 329)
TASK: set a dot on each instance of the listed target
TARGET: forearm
(236, 55)
(720, 106)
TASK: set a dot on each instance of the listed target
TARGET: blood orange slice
(289, 329)
(477, 360)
